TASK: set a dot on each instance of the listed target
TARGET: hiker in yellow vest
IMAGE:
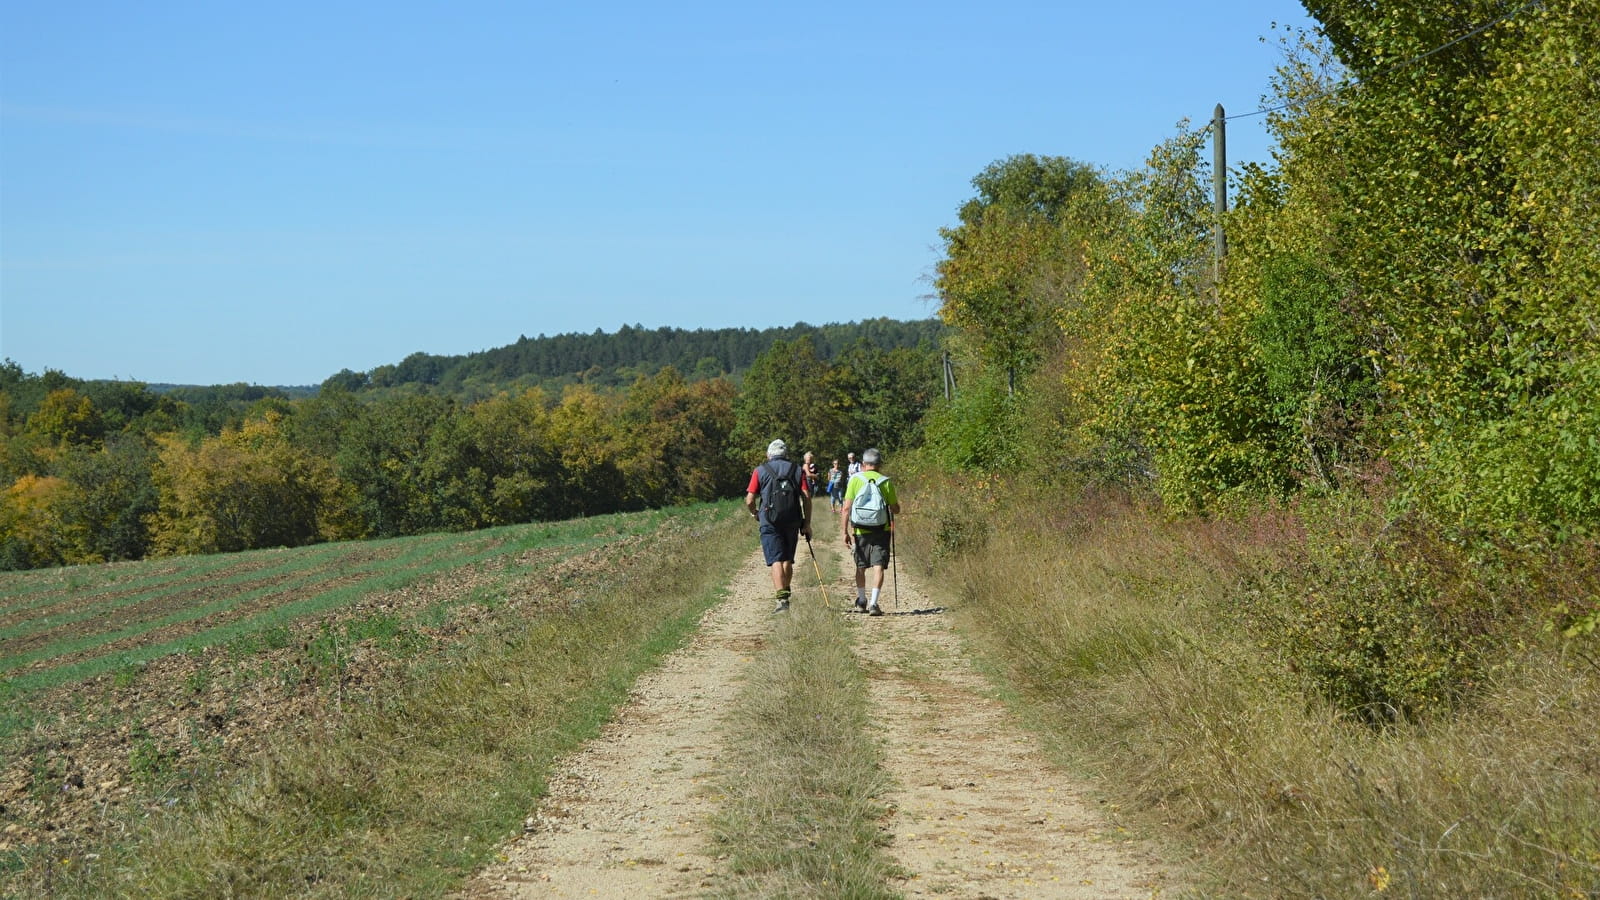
(870, 506)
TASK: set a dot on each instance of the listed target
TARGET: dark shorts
(872, 549)
(778, 544)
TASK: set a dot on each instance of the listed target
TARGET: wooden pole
(1219, 182)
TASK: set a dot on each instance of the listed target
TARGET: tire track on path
(626, 815)
(979, 812)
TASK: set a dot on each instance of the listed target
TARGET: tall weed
(1145, 648)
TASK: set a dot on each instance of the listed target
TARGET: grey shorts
(872, 549)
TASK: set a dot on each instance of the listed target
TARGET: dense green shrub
(1389, 621)
(976, 431)
(1316, 380)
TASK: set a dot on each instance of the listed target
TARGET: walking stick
(818, 569)
(894, 564)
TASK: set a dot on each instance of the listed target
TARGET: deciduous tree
(245, 489)
(784, 395)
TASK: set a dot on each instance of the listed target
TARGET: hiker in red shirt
(784, 514)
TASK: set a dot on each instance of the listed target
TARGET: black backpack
(780, 494)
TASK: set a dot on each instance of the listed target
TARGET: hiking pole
(818, 570)
(894, 565)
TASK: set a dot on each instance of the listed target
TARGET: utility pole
(1219, 183)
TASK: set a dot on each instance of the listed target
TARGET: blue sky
(208, 193)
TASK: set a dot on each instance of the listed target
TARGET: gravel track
(977, 811)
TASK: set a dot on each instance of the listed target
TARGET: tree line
(615, 359)
(1409, 294)
(1399, 354)
(98, 471)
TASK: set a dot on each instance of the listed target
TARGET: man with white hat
(784, 513)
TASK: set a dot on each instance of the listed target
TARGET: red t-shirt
(755, 479)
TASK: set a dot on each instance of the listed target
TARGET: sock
(861, 593)
(874, 600)
(783, 593)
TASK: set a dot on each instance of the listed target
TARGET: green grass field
(105, 617)
(153, 707)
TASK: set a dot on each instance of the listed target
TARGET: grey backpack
(870, 509)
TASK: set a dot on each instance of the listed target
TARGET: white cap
(777, 448)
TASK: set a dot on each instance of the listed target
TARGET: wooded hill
(603, 359)
(599, 359)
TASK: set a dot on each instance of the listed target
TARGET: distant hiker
(835, 486)
(784, 514)
(855, 467)
(870, 506)
(813, 478)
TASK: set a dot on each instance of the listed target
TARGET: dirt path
(626, 814)
(977, 812)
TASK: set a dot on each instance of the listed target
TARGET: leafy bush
(1531, 474)
(955, 535)
(1311, 358)
(1387, 620)
(977, 430)
(1133, 649)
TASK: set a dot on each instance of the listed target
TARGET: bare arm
(844, 519)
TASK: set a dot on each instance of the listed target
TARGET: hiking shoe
(861, 604)
(874, 610)
(783, 605)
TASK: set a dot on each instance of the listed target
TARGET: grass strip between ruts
(411, 794)
(802, 780)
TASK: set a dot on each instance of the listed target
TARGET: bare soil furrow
(31, 586)
(207, 606)
(22, 606)
(197, 713)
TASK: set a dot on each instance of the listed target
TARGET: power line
(1395, 67)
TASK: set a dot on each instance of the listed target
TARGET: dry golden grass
(801, 815)
(1122, 636)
